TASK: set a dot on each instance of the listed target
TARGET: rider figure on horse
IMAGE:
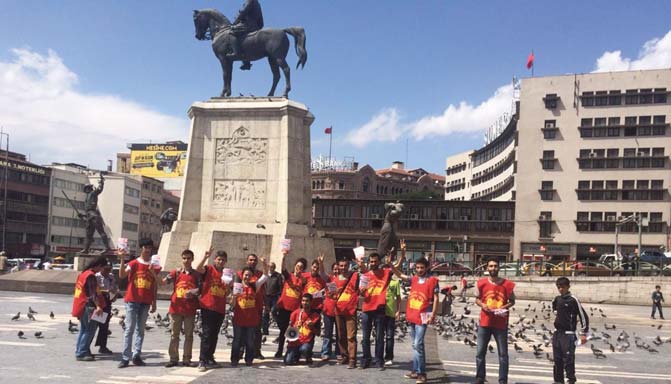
(250, 19)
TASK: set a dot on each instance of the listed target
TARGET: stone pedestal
(247, 183)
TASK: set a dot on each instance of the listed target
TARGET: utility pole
(4, 182)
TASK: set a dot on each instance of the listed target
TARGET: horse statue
(268, 42)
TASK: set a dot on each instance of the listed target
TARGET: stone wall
(610, 290)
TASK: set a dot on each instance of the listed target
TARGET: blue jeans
(243, 335)
(389, 327)
(368, 321)
(269, 309)
(87, 329)
(501, 337)
(417, 332)
(136, 319)
(295, 353)
(328, 339)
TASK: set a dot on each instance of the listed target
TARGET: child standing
(657, 300)
(568, 310)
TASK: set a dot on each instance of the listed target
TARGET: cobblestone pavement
(51, 358)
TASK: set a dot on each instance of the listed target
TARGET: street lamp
(633, 218)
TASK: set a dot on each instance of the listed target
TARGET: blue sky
(79, 79)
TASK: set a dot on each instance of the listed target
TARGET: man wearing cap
(140, 296)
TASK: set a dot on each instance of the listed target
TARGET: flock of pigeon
(531, 330)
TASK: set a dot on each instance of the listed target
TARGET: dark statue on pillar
(246, 40)
(167, 218)
(92, 216)
(388, 240)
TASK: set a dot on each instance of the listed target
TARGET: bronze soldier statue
(167, 218)
(250, 19)
(92, 216)
(388, 239)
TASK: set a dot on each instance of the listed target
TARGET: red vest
(80, 298)
(252, 281)
(314, 285)
(494, 296)
(420, 298)
(214, 291)
(329, 302)
(179, 302)
(290, 299)
(305, 333)
(348, 297)
(141, 284)
(376, 293)
(245, 313)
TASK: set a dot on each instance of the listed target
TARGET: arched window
(365, 184)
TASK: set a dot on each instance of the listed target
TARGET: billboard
(158, 160)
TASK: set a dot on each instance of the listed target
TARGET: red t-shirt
(141, 283)
(80, 298)
(181, 302)
(213, 296)
(290, 299)
(305, 334)
(348, 296)
(420, 298)
(494, 296)
(245, 313)
(313, 285)
(252, 281)
(330, 302)
(376, 292)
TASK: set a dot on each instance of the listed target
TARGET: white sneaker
(389, 362)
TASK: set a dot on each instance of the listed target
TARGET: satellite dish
(291, 334)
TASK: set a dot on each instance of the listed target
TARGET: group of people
(302, 302)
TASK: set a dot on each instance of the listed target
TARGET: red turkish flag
(530, 60)
(328, 130)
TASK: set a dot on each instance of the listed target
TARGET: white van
(611, 259)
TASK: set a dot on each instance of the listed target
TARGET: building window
(547, 191)
(660, 96)
(131, 209)
(545, 225)
(615, 98)
(548, 160)
(129, 226)
(631, 96)
(365, 185)
(549, 129)
(551, 100)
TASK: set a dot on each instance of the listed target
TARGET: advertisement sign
(158, 160)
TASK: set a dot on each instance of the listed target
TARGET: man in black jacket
(568, 311)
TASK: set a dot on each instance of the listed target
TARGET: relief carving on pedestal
(240, 193)
(240, 149)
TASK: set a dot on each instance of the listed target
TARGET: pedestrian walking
(657, 300)
(464, 287)
(495, 297)
(568, 310)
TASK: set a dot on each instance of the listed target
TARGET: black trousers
(563, 349)
(211, 324)
(656, 306)
(283, 317)
(101, 340)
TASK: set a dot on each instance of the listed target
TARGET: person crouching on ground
(183, 306)
(88, 301)
(246, 316)
(306, 321)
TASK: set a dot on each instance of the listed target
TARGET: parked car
(451, 269)
(611, 259)
(584, 268)
(541, 268)
(505, 269)
(655, 257)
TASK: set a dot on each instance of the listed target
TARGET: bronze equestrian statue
(246, 41)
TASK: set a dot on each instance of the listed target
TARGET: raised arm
(121, 254)
(200, 267)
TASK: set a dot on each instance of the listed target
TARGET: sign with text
(158, 160)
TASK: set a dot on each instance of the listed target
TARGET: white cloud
(382, 127)
(465, 118)
(49, 119)
(655, 54)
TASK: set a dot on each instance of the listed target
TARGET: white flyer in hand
(318, 295)
(102, 318)
(332, 287)
(363, 281)
(286, 245)
(122, 244)
(425, 316)
(500, 312)
(227, 276)
(237, 288)
(359, 252)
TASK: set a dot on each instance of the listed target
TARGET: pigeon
(549, 357)
(260, 226)
(51, 315)
(16, 317)
(31, 311)
(491, 349)
(31, 317)
(20, 334)
(597, 352)
(38, 335)
(72, 328)
(517, 347)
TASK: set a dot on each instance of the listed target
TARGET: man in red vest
(246, 316)
(252, 261)
(306, 320)
(88, 300)
(290, 299)
(329, 318)
(421, 309)
(183, 307)
(373, 309)
(495, 297)
(214, 293)
(140, 296)
(347, 301)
